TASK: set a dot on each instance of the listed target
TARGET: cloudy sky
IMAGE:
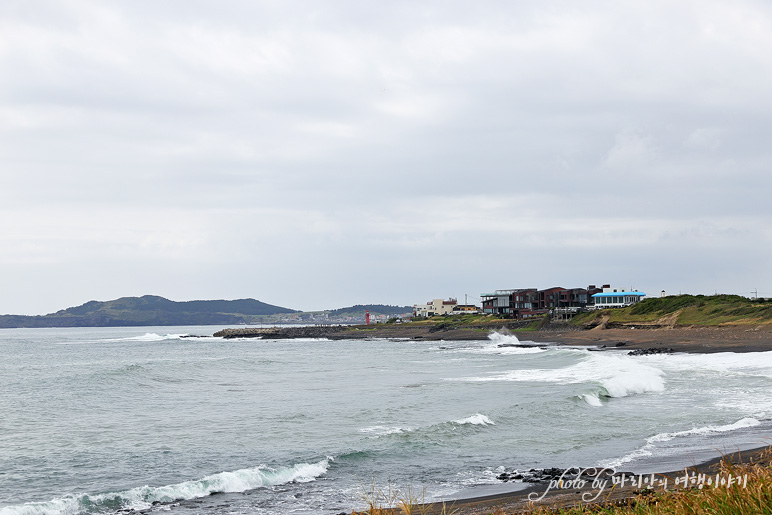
(321, 154)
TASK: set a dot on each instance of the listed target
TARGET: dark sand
(519, 502)
(679, 339)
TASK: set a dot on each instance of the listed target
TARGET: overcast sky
(317, 154)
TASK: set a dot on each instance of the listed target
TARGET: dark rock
(650, 350)
(538, 475)
(621, 344)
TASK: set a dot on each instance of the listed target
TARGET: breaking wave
(143, 497)
(442, 428)
(384, 430)
(498, 338)
(501, 343)
(647, 450)
(476, 420)
(614, 376)
(593, 399)
(154, 337)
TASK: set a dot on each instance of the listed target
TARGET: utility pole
(755, 293)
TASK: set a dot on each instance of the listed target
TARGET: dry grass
(392, 501)
(752, 495)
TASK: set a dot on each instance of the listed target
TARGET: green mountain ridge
(150, 310)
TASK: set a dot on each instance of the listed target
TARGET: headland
(699, 339)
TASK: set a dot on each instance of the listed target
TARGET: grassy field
(484, 322)
(685, 310)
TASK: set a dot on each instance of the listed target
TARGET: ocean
(170, 419)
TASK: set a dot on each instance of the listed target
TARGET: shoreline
(701, 340)
(592, 494)
(693, 339)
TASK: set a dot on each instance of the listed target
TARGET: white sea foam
(477, 419)
(500, 343)
(592, 399)
(740, 424)
(384, 430)
(143, 497)
(652, 441)
(499, 338)
(154, 337)
(617, 375)
(745, 363)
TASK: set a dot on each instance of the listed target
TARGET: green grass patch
(535, 325)
(701, 310)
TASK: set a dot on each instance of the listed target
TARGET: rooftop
(620, 294)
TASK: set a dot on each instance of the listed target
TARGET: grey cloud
(362, 151)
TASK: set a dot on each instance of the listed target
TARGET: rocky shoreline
(635, 341)
(368, 332)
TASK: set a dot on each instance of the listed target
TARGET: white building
(616, 298)
(435, 307)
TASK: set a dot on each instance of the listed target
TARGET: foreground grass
(753, 496)
(699, 310)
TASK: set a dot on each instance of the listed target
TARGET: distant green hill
(150, 310)
(374, 309)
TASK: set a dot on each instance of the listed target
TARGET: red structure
(367, 317)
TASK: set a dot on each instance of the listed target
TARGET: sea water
(102, 420)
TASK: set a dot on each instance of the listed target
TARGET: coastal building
(528, 302)
(435, 307)
(616, 298)
(465, 309)
(550, 298)
(497, 303)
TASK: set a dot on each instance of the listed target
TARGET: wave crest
(476, 420)
(617, 376)
(651, 441)
(143, 497)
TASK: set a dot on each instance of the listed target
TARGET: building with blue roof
(616, 298)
